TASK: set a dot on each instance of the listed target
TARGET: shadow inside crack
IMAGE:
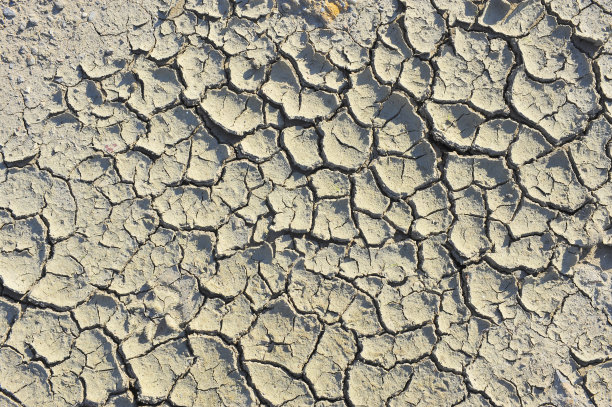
(496, 11)
(603, 254)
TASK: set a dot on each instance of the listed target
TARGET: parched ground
(294, 202)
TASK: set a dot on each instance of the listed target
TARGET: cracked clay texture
(297, 203)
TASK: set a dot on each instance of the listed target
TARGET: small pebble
(92, 16)
(9, 12)
(32, 22)
(20, 79)
(30, 60)
(59, 5)
(83, 15)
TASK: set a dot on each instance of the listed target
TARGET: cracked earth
(304, 202)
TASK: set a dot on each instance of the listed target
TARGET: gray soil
(249, 202)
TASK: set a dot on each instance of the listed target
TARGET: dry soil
(305, 203)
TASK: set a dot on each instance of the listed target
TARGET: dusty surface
(259, 202)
